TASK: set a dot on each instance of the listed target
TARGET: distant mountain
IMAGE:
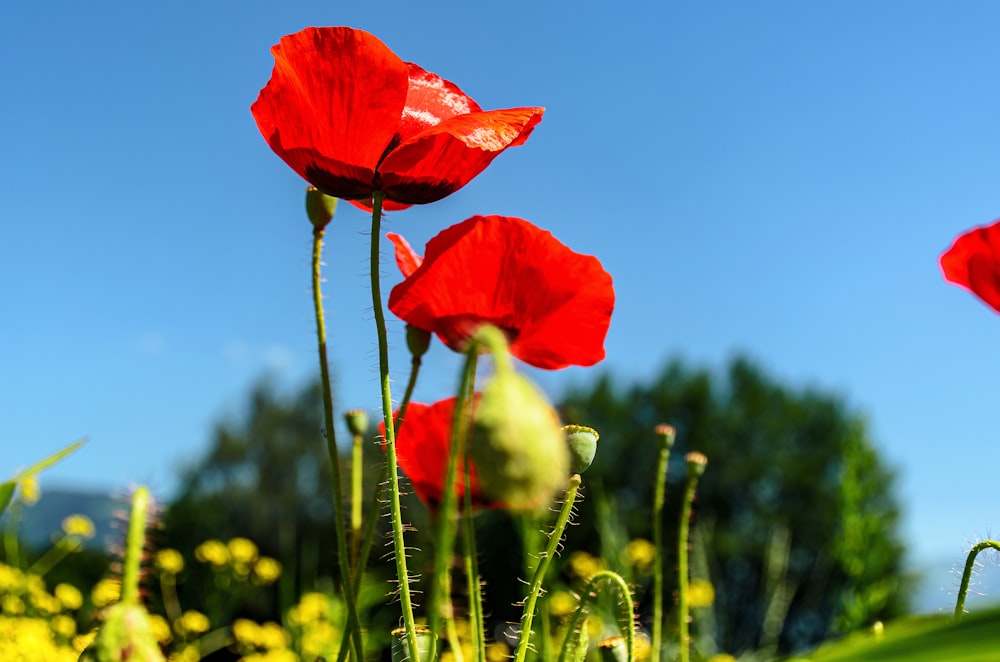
(41, 524)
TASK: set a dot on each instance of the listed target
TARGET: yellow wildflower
(273, 636)
(81, 641)
(160, 628)
(10, 578)
(78, 525)
(701, 593)
(242, 550)
(69, 596)
(192, 622)
(267, 570)
(29, 490)
(722, 657)
(11, 605)
(169, 561)
(562, 604)
(63, 625)
(497, 651)
(106, 591)
(246, 632)
(212, 551)
(584, 565)
(640, 554)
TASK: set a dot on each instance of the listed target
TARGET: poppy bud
(125, 636)
(417, 340)
(666, 434)
(319, 207)
(695, 464)
(582, 442)
(357, 421)
(516, 444)
(425, 644)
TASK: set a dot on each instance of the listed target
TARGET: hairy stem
(970, 563)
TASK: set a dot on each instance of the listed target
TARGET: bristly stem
(399, 545)
(477, 621)
(666, 436)
(354, 624)
(135, 541)
(524, 636)
(590, 594)
(440, 602)
(695, 468)
(970, 563)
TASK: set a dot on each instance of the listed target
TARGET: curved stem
(590, 594)
(354, 624)
(543, 565)
(440, 602)
(399, 545)
(970, 563)
(472, 558)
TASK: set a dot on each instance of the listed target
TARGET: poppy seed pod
(517, 444)
(666, 434)
(582, 443)
(425, 644)
(319, 207)
(696, 463)
(357, 421)
(418, 341)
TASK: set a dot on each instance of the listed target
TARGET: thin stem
(970, 563)
(357, 478)
(543, 565)
(682, 570)
(472, 559)
(590, 594)
(354, 624)
(659, 497)
(134, 542)
(399, 544)
(440, 602)
(369, 533)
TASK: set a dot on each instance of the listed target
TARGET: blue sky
(770, 178)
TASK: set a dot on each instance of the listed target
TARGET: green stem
(659, 497)
(54, 555)
(472, 560)
(134, 543)
(369, 534)
(590, 594)
(357, 478)
(354, 624)
(543, 565)
(399, 544)
(683, 537)
(970, 563)
(440, 600)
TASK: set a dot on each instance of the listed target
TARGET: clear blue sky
(771, 178)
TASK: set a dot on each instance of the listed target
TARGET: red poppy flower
(352, 118)
(973, 262)
(422, 451)
(553, 304)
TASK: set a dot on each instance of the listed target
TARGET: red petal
(422, 450)
(429, 101)
(445, 157)
(973, 262)
(555, 305)
(332, 106)
(387, 205)
(406, 258)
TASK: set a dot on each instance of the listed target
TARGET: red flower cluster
(422, 451)
(352, 118)
(973, 262)
(553, 304)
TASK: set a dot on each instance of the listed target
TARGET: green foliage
(7, 487)
(795, 514)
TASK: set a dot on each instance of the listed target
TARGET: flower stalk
(666, 435)
(695, 468)
(970, 564)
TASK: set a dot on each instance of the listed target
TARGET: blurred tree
(795, 519)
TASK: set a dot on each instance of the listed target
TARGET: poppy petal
(445, 157)
(430, 100)
(973, 263)
(422, 450)
(554, 304)
(387, 205)
(406, 258)
(332, 106)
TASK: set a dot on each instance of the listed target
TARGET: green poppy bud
(125, 636)
(696, 463)
(582, 442)
(516, 445)
(666, 434)
(357, 421)
(417, 340)
(319, 207)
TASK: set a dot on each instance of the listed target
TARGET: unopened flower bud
(319, 207)
(417, 341)
(666, 434)
(582, 442)
(695, 464)
(518, 449)
(357, 421)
